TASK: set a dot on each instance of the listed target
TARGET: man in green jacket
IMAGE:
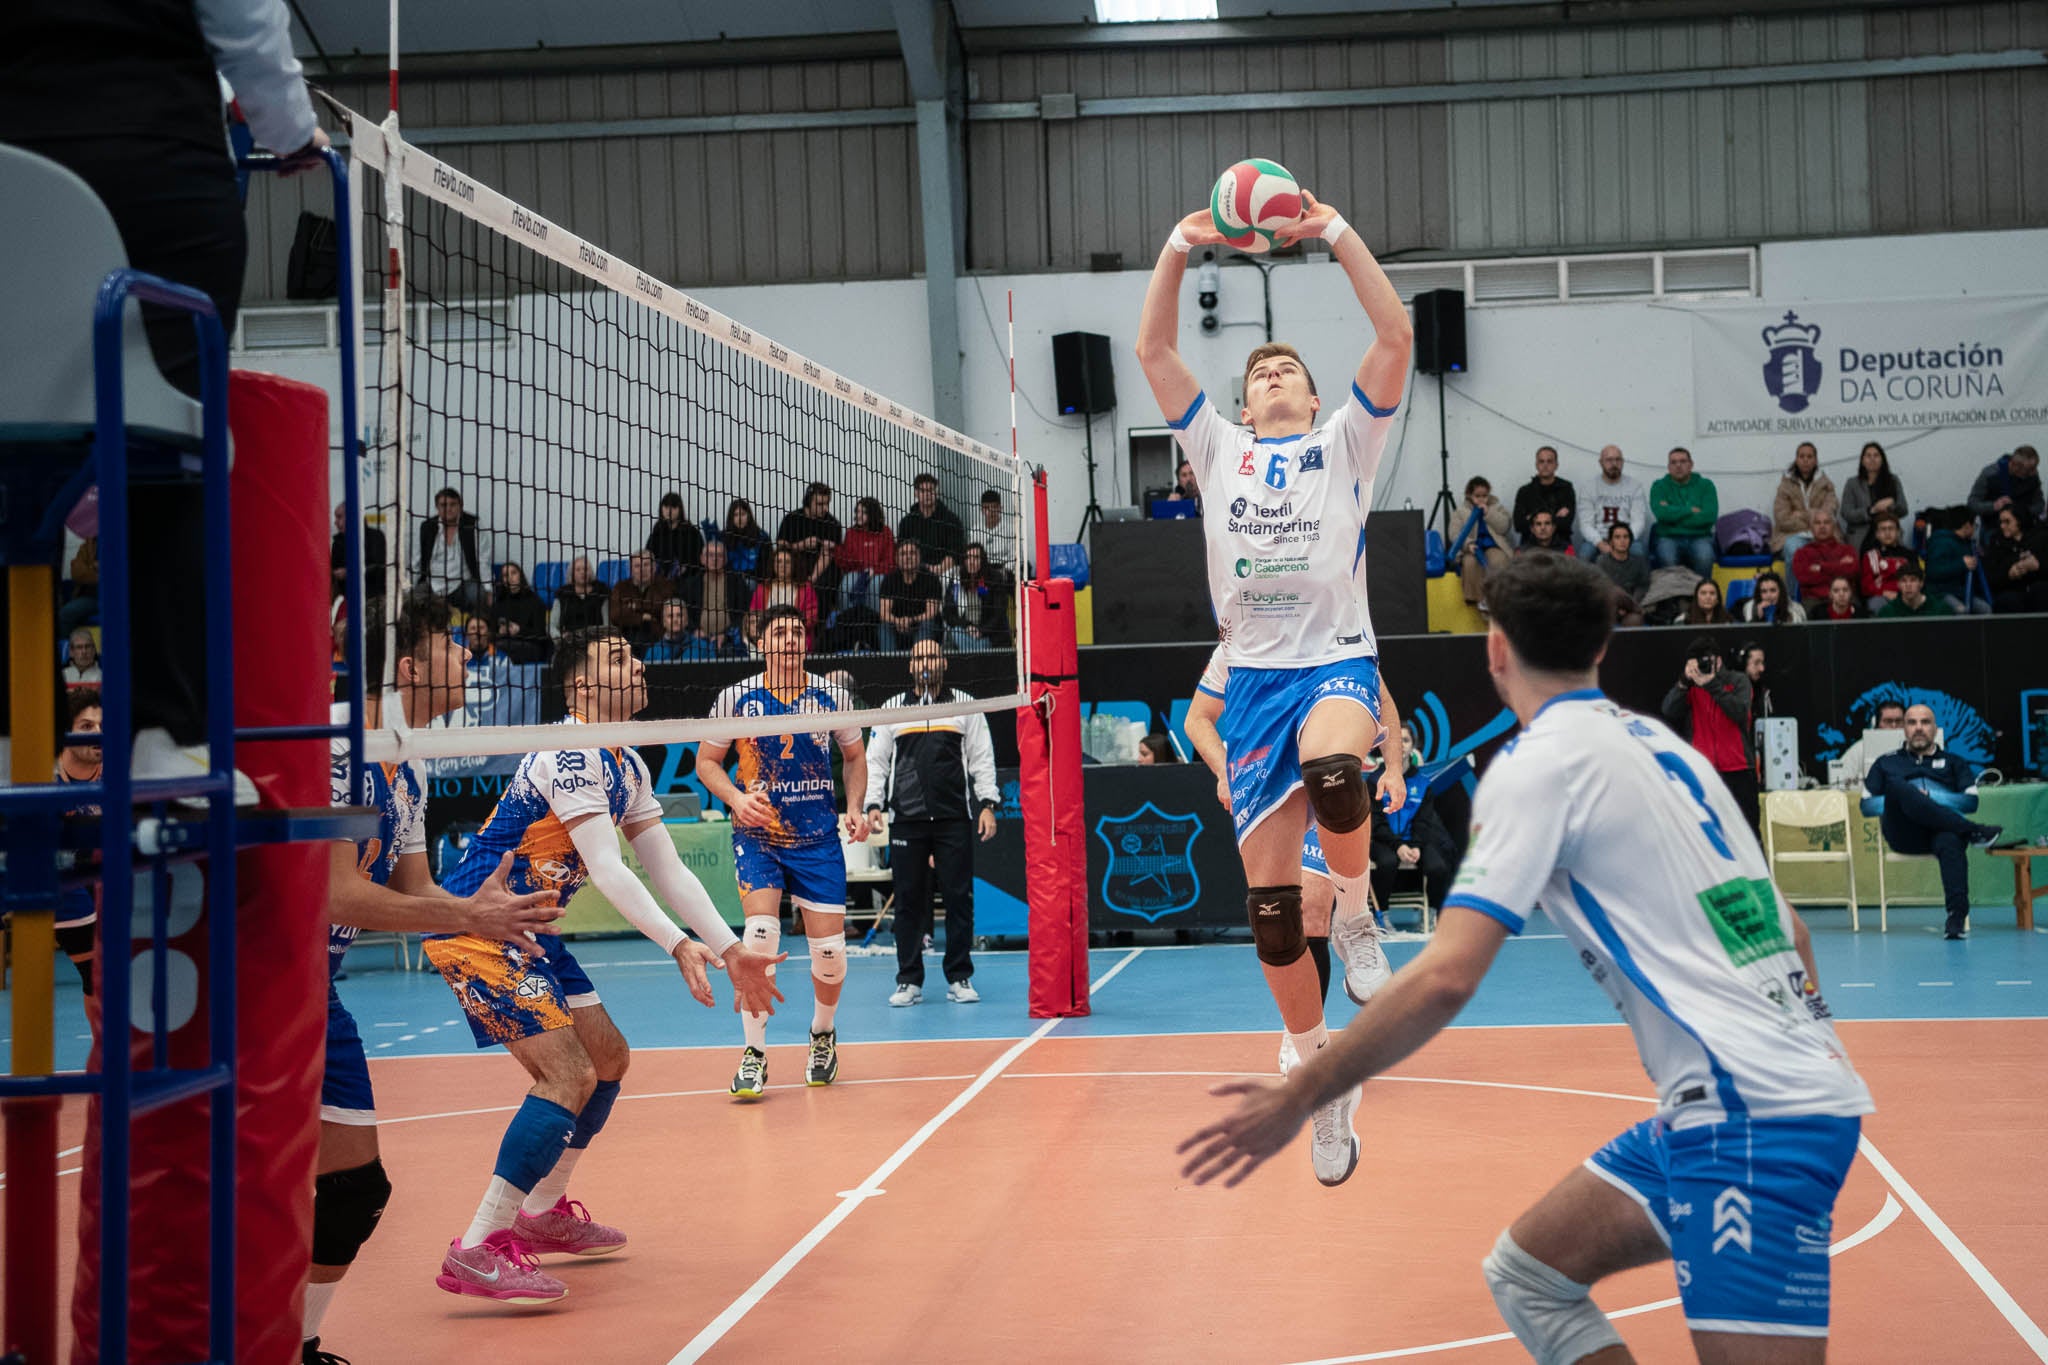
(1913, 599)
(1683, 506)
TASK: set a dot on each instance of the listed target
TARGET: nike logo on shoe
(491, 1278)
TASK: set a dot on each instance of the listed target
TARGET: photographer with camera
(1710, 707)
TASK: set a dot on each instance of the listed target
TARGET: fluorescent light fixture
(1152, 11)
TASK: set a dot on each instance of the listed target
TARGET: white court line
(715, 1330)
(2029, 1331)
(1411, 1080)
(1937, 983)
(2027, 982)
(1881, 1220)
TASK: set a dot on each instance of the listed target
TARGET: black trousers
(1918, 825)
(1386, 866)
(1742, 785)
(915, 846)
(180, 217)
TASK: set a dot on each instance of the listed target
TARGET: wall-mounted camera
(1208, 292)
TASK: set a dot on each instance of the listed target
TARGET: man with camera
(1709, 706)
(1918, 824)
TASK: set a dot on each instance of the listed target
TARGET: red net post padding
(282, 676)
(1055, 851)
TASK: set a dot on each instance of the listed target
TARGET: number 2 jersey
(1627, 839)
(1284, 523)
(398, 794)
(793, 771)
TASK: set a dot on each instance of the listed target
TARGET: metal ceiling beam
(932, 61)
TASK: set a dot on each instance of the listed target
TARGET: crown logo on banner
(1792, 373)
(1792, 332)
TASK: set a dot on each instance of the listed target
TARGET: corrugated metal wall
(1047, 195)
(1959, 151)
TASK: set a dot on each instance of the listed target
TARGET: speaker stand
(1445, 503)
(1093, 513)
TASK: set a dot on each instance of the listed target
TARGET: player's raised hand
(496, 911)
(1393, 789)
(753, 809)
(1237, 1144)
(1315, 216)
(753, 978)
(694, 958)
(1200, 229)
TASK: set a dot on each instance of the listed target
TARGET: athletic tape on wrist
(1178, 240)
(1336, 228)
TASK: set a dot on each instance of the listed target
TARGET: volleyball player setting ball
(1288, 488)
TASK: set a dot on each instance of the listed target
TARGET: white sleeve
(842, 701)
(251, 42)
(572, 781)
(338, 793)
(598, 842)
(680, 888)
(1519, 824)
(1365, 429)
(981, 762)
(1215, 675)
(1204, 436)
(412, 838)
(644, 806)
(881, 759)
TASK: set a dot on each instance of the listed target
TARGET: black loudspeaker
(1440, 331)
(1081, 373)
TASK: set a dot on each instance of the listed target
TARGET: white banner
(1817, 367)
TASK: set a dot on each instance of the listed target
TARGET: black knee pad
(346, 1207)
(1337, 792)
(76, 943)
(1275, 913)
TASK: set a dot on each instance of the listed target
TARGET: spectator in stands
(678, 643)
(1425, 848)
(452, 555)
(1857, 758)
(1155, 749)
(1883, 556)
(717, 599)
(495, 694)
(1754, 666)
(1184, 487)
(933, 526)
(815, 534)
(1915, 823)
(782, 586)
(998, 537)
(1875, 490)
(84, 602)
(910, 600)
(1912, 598)
(2009, 481)
(1771, 604)
(1685, 506)
(82, 659)
(746, 544)
(1843, 602)
(1543, 536)
(1629, 572)
(376, 563)
(581, 602)
(637, 599)
(1545, 493)
(1951, 560)
(1709, 705)
(867, 555)
(1821, 560)
(1485, 544)
(1804, 490)
(1706, 608)
(1612, 497)
(751, 626)
(977, 612)
(2012, 562)
(674, 542)
(520, 617)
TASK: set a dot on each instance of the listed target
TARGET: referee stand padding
(282, 676)
(1049, 790)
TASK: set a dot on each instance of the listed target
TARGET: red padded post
(1049, 789)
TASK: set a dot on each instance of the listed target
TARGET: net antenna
(562, 392)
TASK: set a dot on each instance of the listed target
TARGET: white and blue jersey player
(785, 830)
(1285, 496)
(1625, 837)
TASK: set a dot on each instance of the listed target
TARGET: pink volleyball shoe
(498, 1268)
(565, 1229)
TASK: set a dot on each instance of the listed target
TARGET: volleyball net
(532, 400)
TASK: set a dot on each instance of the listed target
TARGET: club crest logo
(1792, 374)
(1312, 458)
(1238, 506)
(1150, 873)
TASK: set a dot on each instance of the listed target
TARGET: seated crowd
(1819, 555)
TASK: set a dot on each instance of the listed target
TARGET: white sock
(500, 1205)
(549, 1189)
(1351, 895)
(755, 1027)
(1311, 1041)
(822, 1014)
(762, 933)
(318, 1296)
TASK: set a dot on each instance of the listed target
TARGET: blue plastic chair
(612, 572)
(548, 577)
(1070, 560)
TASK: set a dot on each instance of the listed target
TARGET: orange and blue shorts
(506, 994)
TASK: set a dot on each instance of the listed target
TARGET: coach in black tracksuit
(1915, 823)
(937, 781)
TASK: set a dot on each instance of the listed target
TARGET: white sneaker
(1289, 1057)
(1357, 942)
(1333, 1141)
(906, 995)
(962, 992)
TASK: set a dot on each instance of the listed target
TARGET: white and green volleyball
(1253, 200)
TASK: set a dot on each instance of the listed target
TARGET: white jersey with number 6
(1627, 839)
(1284, 521)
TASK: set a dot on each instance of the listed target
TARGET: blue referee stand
(45, 467)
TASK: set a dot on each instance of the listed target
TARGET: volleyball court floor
(982, 1186)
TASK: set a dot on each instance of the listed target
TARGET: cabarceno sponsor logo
(1278, 567)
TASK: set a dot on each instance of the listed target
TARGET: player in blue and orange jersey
(382, 884)
(559, 823)
(785, 833)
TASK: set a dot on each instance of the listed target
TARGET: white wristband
(1337, 228)
(1178, 240)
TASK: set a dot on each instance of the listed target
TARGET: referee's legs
(910, 848)
(953, 850)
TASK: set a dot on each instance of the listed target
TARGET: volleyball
(1253, 200)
